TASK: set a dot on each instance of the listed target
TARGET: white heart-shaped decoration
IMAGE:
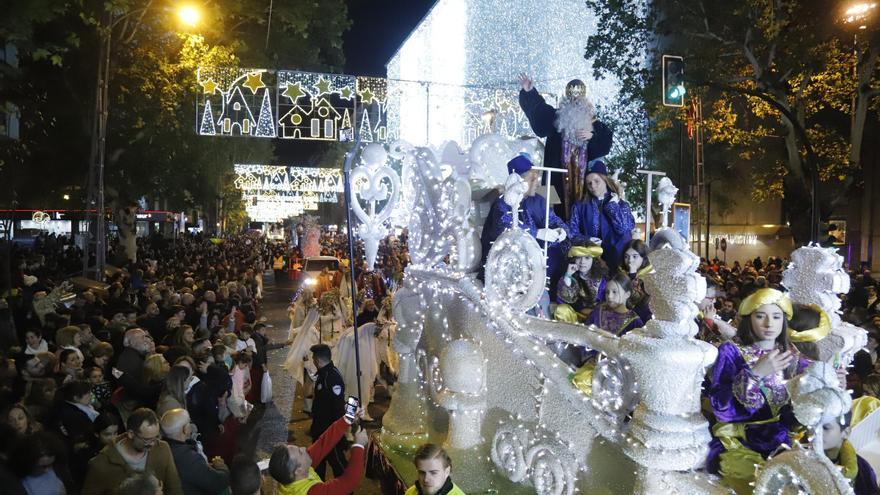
(373, 183)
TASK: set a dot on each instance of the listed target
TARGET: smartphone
(351, 407)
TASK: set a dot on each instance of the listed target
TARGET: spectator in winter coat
(197, 476)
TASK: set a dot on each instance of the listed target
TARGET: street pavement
(284, 419)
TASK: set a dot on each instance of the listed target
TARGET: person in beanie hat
(600, 213)
(520, 193)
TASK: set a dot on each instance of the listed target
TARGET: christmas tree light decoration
(366, 129)
(265, 122)
(207, 128)
(231, 108)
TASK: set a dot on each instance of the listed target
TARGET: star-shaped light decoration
(209, 86)
(323, 86)
(293, 91)
(346, 93)
(366, 96)
(254, 82)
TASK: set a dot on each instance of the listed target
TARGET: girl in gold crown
(747, 390)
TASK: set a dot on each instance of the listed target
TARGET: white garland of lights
(547, 442)
(515, 271)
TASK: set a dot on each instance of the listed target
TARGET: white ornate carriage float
(477, 375)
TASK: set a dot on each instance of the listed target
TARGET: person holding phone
(293, 467)
(434, 468)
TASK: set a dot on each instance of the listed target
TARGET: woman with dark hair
(747, 390)
(39, 462)
(19, 419)
(636, 265)
(70, 366)
(74, 418)
(204, 404)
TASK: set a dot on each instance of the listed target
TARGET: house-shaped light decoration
(465, 45)
(292, 122)
(236, 114)
(324, 120)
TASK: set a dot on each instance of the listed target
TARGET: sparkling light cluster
(274, 192)
(646, 394)
(290, 104)
(444, 69)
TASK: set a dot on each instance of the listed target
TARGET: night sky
(377, 31)
(378, 28)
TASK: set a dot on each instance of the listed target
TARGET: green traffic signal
(673, 81)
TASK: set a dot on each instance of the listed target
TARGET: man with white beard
(575, 138)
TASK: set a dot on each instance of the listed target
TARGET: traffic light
(673, 81)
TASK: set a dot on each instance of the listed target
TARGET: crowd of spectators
(149, 379)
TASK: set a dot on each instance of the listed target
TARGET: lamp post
(858, 15)
(95, 204)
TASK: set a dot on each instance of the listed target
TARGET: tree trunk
(126, 222)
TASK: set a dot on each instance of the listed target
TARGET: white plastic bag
(266, 388)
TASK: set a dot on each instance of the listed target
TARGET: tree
(776, 86)
(153, 151)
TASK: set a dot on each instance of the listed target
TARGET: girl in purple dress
(613, 316)
(747, 390)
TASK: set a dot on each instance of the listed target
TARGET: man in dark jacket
(328, 406)
(574, 136)
(197, 477)
(130, 364)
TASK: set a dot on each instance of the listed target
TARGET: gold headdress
(766, 296)
(581, 251)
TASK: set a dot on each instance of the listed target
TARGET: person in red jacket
(293, 467)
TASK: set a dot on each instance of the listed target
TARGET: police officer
(328, 406)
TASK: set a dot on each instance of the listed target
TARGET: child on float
(613, 316)
(636, 265)
(582, 287)
(747, 393)
(434, 467)
(841, 452)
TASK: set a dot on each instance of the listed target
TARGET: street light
(189, 15)
(858, 13)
